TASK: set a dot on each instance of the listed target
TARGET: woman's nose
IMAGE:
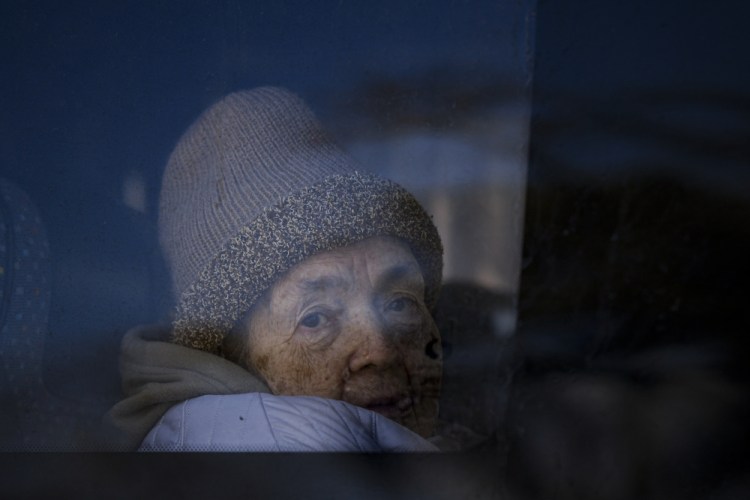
(371, 343)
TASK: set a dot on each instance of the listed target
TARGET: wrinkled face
(351, 324)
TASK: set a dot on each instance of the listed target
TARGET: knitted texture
(247, 152)
(253, 188)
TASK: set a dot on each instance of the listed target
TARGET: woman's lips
(390, 407)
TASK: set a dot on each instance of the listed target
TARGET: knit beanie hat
(253, 188)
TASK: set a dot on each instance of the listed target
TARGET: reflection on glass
(441, 109)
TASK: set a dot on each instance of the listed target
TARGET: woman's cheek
(300, 371)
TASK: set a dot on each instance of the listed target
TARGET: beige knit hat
(253, 188)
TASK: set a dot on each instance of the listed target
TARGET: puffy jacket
(181, 399)
(263, 422)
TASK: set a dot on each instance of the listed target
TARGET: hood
(157, 374)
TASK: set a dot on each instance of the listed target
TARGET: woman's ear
(235, 343)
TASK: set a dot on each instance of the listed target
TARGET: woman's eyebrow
(406, 272)
(321, 283)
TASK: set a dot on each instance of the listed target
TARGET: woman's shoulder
(264, 422)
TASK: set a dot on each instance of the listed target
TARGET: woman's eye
(400, 304)
(312, 320)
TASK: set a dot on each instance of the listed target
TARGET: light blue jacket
(263, 422)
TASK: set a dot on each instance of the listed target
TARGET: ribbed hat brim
(336, 212)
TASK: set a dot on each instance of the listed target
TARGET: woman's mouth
(393, 407)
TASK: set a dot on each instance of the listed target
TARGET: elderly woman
(303, 288)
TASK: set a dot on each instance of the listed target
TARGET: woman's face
(351, 324)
